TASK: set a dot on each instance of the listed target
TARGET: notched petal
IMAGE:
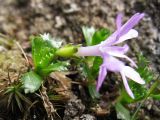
(129, 35)
(101, 77)
(116, 49)
(131, 23)
(129, 91)
(119, 20)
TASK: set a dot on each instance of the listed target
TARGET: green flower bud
(67, 51)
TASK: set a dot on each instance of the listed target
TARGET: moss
(13, 62)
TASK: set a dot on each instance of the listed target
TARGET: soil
(20, 19)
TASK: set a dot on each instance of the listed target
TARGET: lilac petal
(124, 29)
(119, 20)
(110, 40)
(131, 23)
(131, 34)
(124, 56)
(130, 60)
(130, 93)
(114, 65)
(132, 74)
(101, 77)
(119, 53)
(116, 49)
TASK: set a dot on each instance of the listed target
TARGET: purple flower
(110, 52)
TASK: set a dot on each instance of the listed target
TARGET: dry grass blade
(18, 101)
(28, 109)
(23, 98)
(19, 46)
(47, 104)
(10, 99)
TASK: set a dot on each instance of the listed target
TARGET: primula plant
(106, 47)
(103, 53)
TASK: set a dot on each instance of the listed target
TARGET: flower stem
(153, 87)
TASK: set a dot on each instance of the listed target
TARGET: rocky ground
(64, 18)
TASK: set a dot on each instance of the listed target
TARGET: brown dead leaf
(100, 111)
(47, 104)
(64, 84)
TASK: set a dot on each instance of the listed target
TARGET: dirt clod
(73, 109)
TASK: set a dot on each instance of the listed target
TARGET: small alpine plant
(101, 54)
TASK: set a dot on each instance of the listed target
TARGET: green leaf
(13, 88)
(100, 35)
(144, 69)
(59, 66)
(88, 34)
(31, 82)
(95, 67)
(94, 37)
(86, 71)
(138, 90)
(156, 97)
(42, 52)
(122, 112)
(92, 91)
(91, 66)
